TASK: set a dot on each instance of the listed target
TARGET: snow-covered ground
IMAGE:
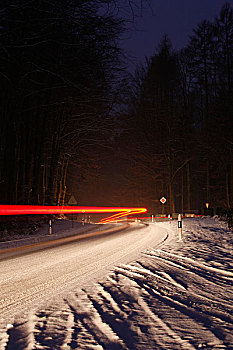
(172, 295)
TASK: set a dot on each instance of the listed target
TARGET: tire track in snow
(53, 327)
(223, 273)
(217, 309)
(192, 280)
(163, 336)
(84, 309)
(191, 318)
(114, 309)
(139, 325)
(192, 267)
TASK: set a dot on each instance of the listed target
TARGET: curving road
(34, 277)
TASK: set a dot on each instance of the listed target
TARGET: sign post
(50, 227)
(179, 227)
(169, 217)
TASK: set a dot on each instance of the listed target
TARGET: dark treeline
(58, 62)
(180, 122)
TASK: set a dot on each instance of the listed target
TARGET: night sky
(177, 18)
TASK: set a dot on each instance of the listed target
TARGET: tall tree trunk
(207, 181)
(182, 193)
(227, 189)
(53, 169)
(171, 196)
(231, 184)
(9, 163)
(188, 187)
(64, 182)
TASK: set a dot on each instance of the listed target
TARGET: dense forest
(58, 64)
(67, 100)
(180, 122)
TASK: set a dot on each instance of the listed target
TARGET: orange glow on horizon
(39, 209)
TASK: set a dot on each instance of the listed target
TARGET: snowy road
(174, 295)
(28, 279)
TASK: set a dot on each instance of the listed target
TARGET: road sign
(72, 200)
(163, 200)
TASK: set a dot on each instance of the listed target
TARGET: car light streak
(130, 211)
(38, 209)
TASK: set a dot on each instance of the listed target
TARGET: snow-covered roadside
(177, 295)
(60, 228)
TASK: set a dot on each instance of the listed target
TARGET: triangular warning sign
(72, 201)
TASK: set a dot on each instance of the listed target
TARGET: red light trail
(126, 212)
(38, 209)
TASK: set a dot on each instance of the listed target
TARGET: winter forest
(68, 103)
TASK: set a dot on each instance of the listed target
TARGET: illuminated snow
(136, 289)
